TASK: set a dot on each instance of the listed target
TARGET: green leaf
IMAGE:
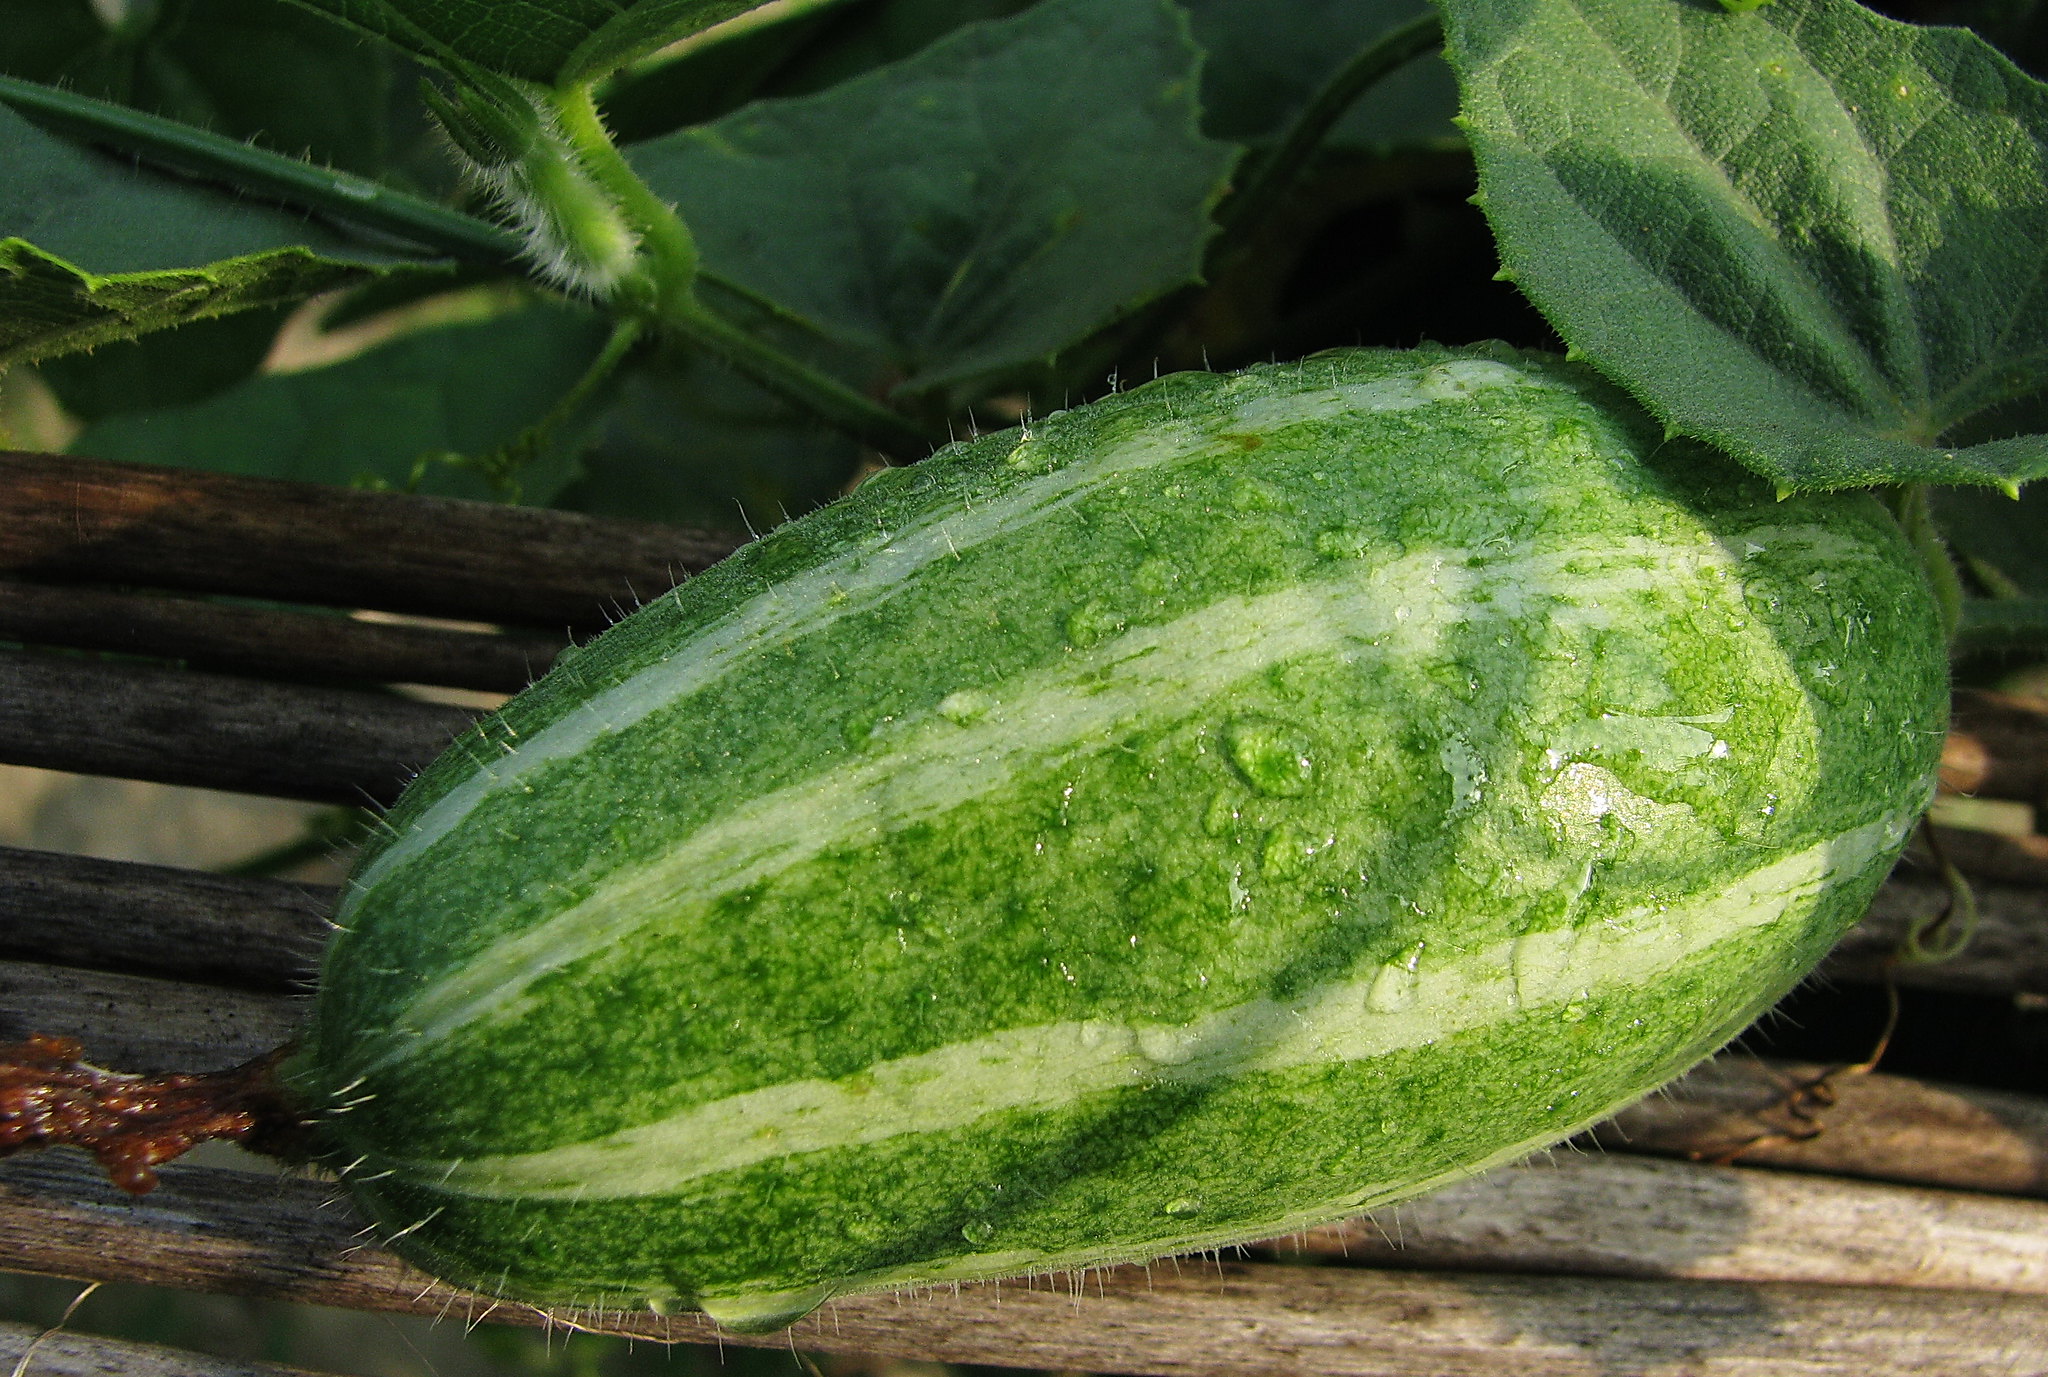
(2011, 536)
(691, 442)
(95, 248)
(378, 418)
(249, 69)
(1980, 524)
(642, 29)
(1010, 189)
(554, 42)
(1268, 58)
(168, 368)
(801, 51)
(1810, 235)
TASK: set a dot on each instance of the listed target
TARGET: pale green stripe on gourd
(818, 597)
(1399, 1005)
(1399, 610)
(1264, 794)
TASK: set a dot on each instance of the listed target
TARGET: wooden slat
(69, 519)
(63, 1354)
(330, 745)
(1891, 1128)
(269, 641)
(231, 1232)
(2021, 860)
(136, 1023)
(151, 919)
(1997, 746)
(2007, 954)
(1644, 1217)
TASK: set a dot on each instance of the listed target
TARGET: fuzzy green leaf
(1005, 192)
(75, 272)
(1810, 235)
(554, 42)
(376, 419)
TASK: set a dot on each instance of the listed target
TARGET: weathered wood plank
(160, 920)
(271, 641)
(1997, 746)
(63, 1354)
(70, 519)
(232, 1232)
(1621, 1216)
(136, 1023)
(330, 745)
(1890, 1128)
(2007, 954)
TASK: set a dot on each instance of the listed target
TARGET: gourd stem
(50, 1096)
(1276, 172)
(347, 197)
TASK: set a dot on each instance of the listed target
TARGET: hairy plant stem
(830, 400)
(665, 241)
(219, 158)
(671, 250)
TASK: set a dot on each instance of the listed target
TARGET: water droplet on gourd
(1090, 624)
(1155, 577)
(963, 706)
(1028, 456)
(1254, 496)
(1393, 989)
(1538, 961)
(1167, 1045)
(763, 1314)
(1183, 1207)
(1284, 854)
(1221, 818)
(1274, 758)
(1347, 542)
(977, 1231)
(888, 477)
(1390, 1126)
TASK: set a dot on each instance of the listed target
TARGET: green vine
(206, 154)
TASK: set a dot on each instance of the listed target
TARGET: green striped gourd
(1228, 806)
